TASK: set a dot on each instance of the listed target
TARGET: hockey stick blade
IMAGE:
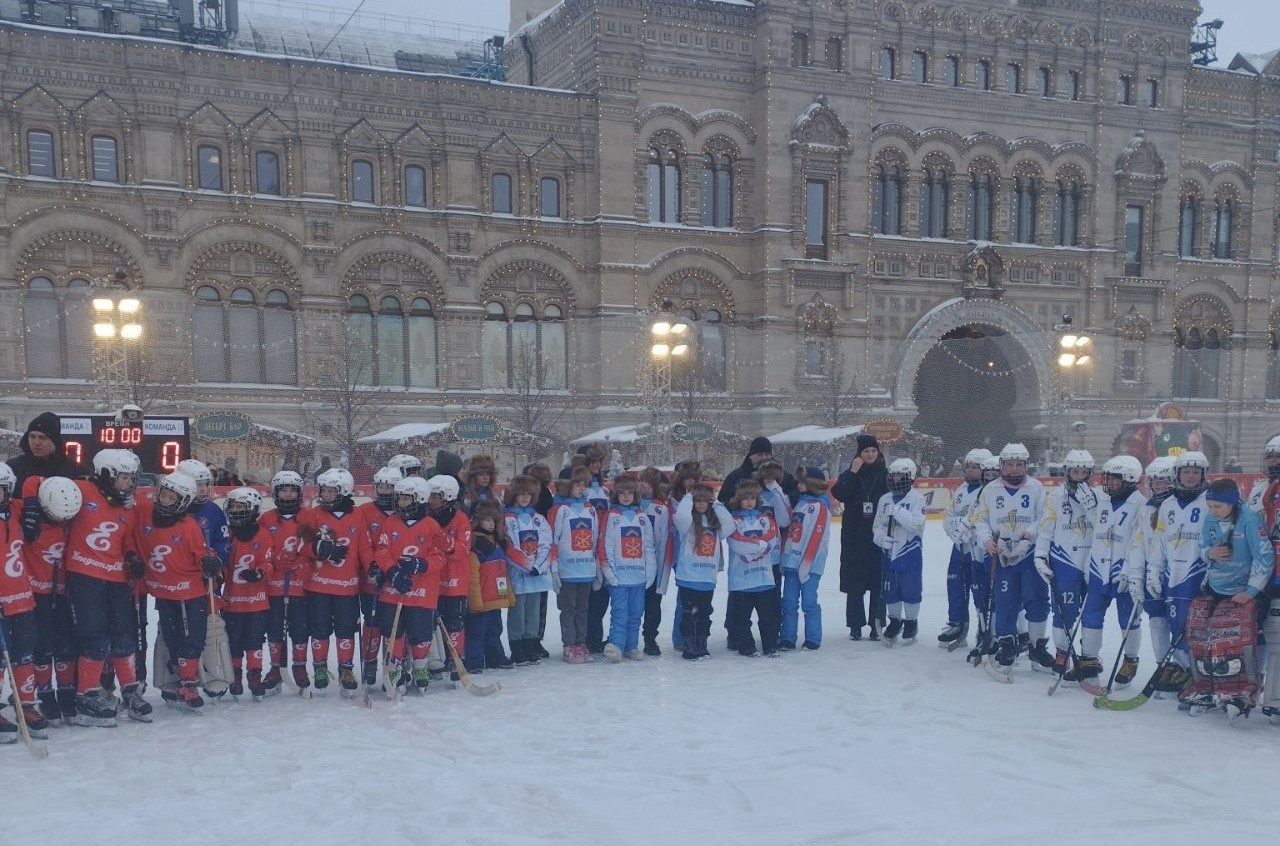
(993, 672)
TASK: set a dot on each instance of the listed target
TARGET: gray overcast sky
(1252, 26)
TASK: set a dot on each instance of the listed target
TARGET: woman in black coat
(860, 488)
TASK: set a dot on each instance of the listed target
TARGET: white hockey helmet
(446, 486)
(977, 456)
(902, 472)
(8, 479)
(252, 502)
(287, 479)
(405, 465)
(1197, 460)
(418, 488)
(1160, 467)
(1014, 452)
(338, 479)
(112, 464)
(1078, 459)
(384, 486)
(1272, 447)
(1125, 467)
(199, 473)
(60, 498)
(182, 486)
(1271, 459)
(991, 469)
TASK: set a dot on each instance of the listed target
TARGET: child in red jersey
(57, 500)
(18, 606)
(339, 545)
(286, 587)
(375, 513)
(177, 564)
(409, 558)
(244, 590)
(455, 576)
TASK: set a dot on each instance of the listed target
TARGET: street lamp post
(668, 344)
(116, 325)
(1074, 350)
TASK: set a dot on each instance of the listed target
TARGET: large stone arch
(1033, 383)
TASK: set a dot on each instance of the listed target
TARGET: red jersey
(174, 556)
(100, 535)
(455, 578)
(288, 559)
(43, 557)
(15, 586)
(243, 596)
(373, 517)
(350, 531)
(424, 539)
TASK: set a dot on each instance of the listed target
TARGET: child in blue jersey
(653, 499)
(897, 528)
(958, 528)
(755, 535)
(702, 524)
(575, 534)
(628, 563)
(530, 567)
(804, 557)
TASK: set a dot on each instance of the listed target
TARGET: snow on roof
(1253, 62)
(364, 45)
(815, 434)
(404, 432)
(614, 434)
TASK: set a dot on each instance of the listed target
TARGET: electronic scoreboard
(159, 442)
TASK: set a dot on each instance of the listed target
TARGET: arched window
(717, 190)
(920, 66)
(415, 186)
(1013, 77)
(500, 189)
(711, 350)
(1026, 202)
(523, 351)
(1189, 226)
(41, 158)
(362, 172)
(549, 197)
(835, 53)
(663, 177)
(980, 206)
(392, 347)
(266, 173)
(982, 75)
(1223, 221)
(888, 58)
(1199, 335)
(886, 202)
(105, 159)
(951, 71)
(209, 168)
(56, 330)
(241, 340)
(935, 204)
(1066, 214)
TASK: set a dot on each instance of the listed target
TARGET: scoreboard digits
(159, 442)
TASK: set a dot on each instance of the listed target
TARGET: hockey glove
(210, 566)
(1121, 582)
(402, 581)
(412, 565)
(1155, 588)
(252, 575)
(534, 572)
(1045, 571)
(375, 574)
(137, 567)
(331, 551)
(31, 519)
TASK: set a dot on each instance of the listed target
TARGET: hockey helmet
(991, 469)
(279, 482)
(1011, 456)
(446, 486)
(902, 472)
(60, 498)
(418, 491)
(116, 472)
(1190, 460)
(8, 479)
(199, 473)
(1160, 476)
(182, 492)
(337, 480)
(1271, 459)
(1120, 474)
(384, 487)
(405, 465)
(250, 506)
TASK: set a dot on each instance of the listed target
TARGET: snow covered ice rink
(852, 744)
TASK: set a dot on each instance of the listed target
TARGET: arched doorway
(966, 388)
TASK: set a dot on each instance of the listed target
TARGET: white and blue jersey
(529, 550)
(808, 536)
(776, 502)
(699, 555)
(627, 554)
(750, 563)
(659, 513)
(575, 534)
(212, 521)
(1113, 526)
(897, 527)
(1066, 529)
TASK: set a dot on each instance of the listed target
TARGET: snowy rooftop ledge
(812, 434)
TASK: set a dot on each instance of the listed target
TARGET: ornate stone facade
(755, 164)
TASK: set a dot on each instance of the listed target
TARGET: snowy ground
(852, 744)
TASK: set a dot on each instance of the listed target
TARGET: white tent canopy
(815, 435)
(613, 435)
(403, 432)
